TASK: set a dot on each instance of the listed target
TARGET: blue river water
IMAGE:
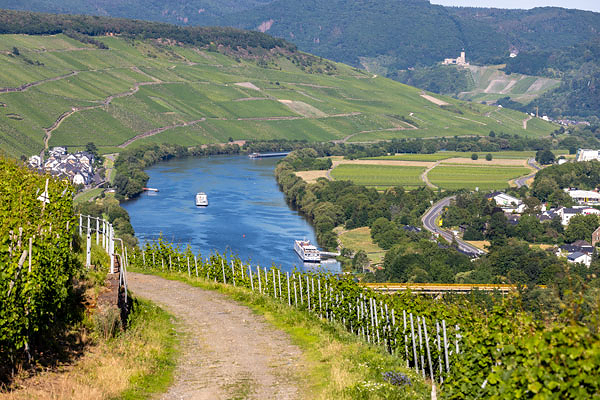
(247, 214)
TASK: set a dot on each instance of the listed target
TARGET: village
(78, 167)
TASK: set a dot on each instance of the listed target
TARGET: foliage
(34, 286)
(502, 351)
(439, 79)
(581, 175)
(544, 157)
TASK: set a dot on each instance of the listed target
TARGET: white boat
(201, 199)
(307, 251)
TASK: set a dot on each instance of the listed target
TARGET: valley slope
(117, 91)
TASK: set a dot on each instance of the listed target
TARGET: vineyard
(502, 353)
(35, 254)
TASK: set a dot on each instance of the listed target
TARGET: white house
(587, 155)
(584, 196)
(578, 257)
(508, 203)
(566, 213)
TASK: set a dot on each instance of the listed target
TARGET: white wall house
(584, 196)
(587, 155)
(578, 257)
(508, 203)
(567, 213)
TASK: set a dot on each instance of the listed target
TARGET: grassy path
(227, 351)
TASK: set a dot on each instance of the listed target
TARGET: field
(136, 87)
(443, 155)
(360, 239)
(471, 177)
(380, 176)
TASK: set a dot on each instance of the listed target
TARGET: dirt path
(425, 178)
(227, 350)
(529, 117)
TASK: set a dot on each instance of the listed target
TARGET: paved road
(429, 222)
(522, 181)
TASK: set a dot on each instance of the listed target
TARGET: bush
(474, 156)
(488, 157)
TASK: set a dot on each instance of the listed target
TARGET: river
(247, 213)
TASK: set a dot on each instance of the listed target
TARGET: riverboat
(306, 251)
(201, 199)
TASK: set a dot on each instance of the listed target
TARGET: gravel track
(227, 351)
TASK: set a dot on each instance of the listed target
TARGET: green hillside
(118, 89)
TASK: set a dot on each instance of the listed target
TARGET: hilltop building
(462, 60)
(585, 197)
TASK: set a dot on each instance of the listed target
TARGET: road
(522, 181)
(429, 222)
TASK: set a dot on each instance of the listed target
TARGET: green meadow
(380, 176)
(138, 86)
(476, 176)
(443, 155)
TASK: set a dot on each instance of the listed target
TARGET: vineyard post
(111, 247)
(312, 285)
(153, 260)
(396, 330)
(439, 348)
(104, 235)
(405, 337)
(258, 276)
(188, 262)
(428, 352)
(223, 268)
(196, 265)
(80, 224)
(301, 296)
(97, 231)
(445, 346)
(266, 281)
(365, 313)
(251, 280)
(88, 252)
(414, 344)
(376, 319)
(320, 307)
(274, 284)
(421, 352)
(144, 258)
(242, 270)
(308, 292)
(341, 305)
(296, 295)
(287, 275)
(162, 262)
(233, 272)
(350, 313)
(279, 279)
(170, 264)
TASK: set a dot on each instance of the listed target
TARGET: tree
(544, 157)
(360, 261)
(581, 227)
(474, 156)
(488, 157)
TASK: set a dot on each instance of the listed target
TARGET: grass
(360, 239)
(87, 195)
(338, 364)
(380, 175)
(471, 177)
(442, 155)
(196, 84)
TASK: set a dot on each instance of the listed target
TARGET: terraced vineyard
(67, 92)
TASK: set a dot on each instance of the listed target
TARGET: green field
(380, 176)
(442, 155)
(471, 177)
(138, 86)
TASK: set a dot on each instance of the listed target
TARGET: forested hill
(22, 22)
(393, 33)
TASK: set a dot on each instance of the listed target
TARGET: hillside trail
(425, 178)
(227, 351)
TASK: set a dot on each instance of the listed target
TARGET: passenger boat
(307, 251)
(201, 199)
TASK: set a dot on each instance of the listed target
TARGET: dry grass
(360, 239)
(480, 244)
(311, 176)
(110, 368)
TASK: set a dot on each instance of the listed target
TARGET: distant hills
(384, 36)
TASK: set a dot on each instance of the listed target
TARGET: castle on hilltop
(462, 60)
